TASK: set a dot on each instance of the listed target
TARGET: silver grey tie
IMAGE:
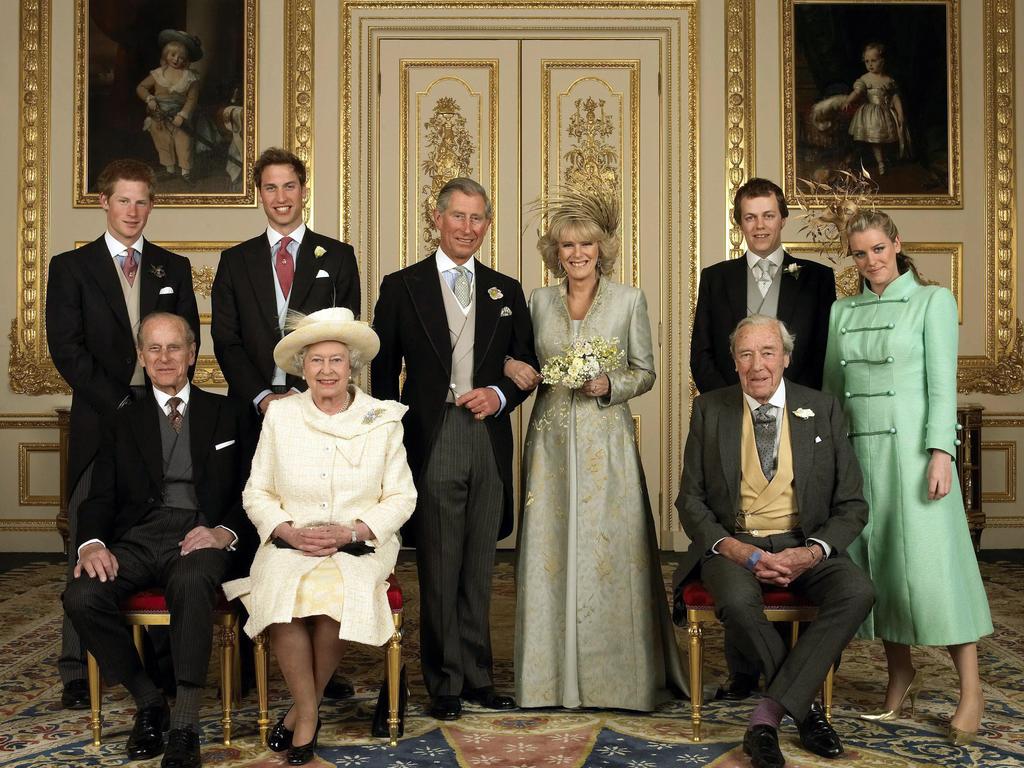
(764, 437)
(764, 280)
(461, 287)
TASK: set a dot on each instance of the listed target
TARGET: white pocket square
(218, 446)
(166, 289)
(322, 273)
(817, 439)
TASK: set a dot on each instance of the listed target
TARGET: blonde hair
(588, 215)
(865, 219)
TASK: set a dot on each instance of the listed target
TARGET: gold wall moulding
(1005, 522)
(109, 115)
(25, 496)
(1004, 376)
(28, 525)
(28, 421)
(1009, 450)
(449, 148)
(740, 125)
(298, 75)
(581, 142)
(1002, 420)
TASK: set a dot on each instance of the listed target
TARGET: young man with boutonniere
(454, 322)
(288, 267)
(96, 297)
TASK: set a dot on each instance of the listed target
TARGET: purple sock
(768, 712)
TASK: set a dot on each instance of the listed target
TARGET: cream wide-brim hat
(333, 324)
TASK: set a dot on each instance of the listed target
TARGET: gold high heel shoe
(911, 691)
(959, 738)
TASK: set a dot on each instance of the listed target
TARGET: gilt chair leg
(95, 697)
(394, 660)
(227, 676)
(696, 632)
(262, 664)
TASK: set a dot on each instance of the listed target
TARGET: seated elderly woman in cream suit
(329, 490)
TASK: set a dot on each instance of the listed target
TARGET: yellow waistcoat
(766, 508)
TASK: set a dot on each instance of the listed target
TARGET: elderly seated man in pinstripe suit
(165, 509)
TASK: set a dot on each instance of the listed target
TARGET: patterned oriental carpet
(35, 732)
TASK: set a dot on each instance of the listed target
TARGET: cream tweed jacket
(313, 468)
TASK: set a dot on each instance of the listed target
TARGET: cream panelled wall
(671, 104)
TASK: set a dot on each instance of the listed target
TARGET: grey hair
(355, 359)
(466, 186)
(763, 321)
(190, 336)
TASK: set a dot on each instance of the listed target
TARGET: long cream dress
(314, 468)
(592, 618)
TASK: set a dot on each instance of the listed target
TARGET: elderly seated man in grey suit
(772, 495)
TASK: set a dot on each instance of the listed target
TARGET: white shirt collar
(116, 247)
(162, 397)
(775, 257)
(778, 399)
(444, 263)
(274, 237)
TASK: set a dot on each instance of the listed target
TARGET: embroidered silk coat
(626, 656)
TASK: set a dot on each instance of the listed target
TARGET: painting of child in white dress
(873, 92)
(167, 82)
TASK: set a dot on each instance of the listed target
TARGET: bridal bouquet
(581, 361)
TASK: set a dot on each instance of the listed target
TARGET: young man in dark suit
(454, 321)
(771, 494)
(165, 509)
(95, 297)
(288, 267)
(767, 281)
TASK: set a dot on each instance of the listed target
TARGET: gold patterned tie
(461, 287)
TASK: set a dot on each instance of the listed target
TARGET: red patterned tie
(284, 266)
(174, 416)
(130, 266)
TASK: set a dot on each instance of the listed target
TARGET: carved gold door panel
(523, 117)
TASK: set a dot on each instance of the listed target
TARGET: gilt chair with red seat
(148, 608)
(779, 605)
(393, 671)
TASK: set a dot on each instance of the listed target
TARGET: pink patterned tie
(130, 266)
(284, 266)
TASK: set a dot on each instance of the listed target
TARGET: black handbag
(380, 713)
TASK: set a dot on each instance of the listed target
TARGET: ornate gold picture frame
(874, 86)
(172, 84)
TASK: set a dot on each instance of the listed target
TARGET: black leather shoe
(737, 688)
(338, 688)
(300, 755)
(147, 739)
(761, 742)
(280, 738)
(817, 734)
(182, 749)
(75, 695)
(489, 698)
(446, 708)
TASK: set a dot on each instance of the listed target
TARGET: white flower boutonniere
(792, 269)
(495, 294)
(803, 413)
(505, 312)
(319, 251)
(157, 271)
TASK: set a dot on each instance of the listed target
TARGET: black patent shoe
(300, 755)
(75, 695)
(737, 688)
(818, 736)
(280, 738)
(761, 742)
(146, 739)
(339, 688)
(182, 749)
(488, 698)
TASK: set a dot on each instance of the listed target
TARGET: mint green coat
(891, 361)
